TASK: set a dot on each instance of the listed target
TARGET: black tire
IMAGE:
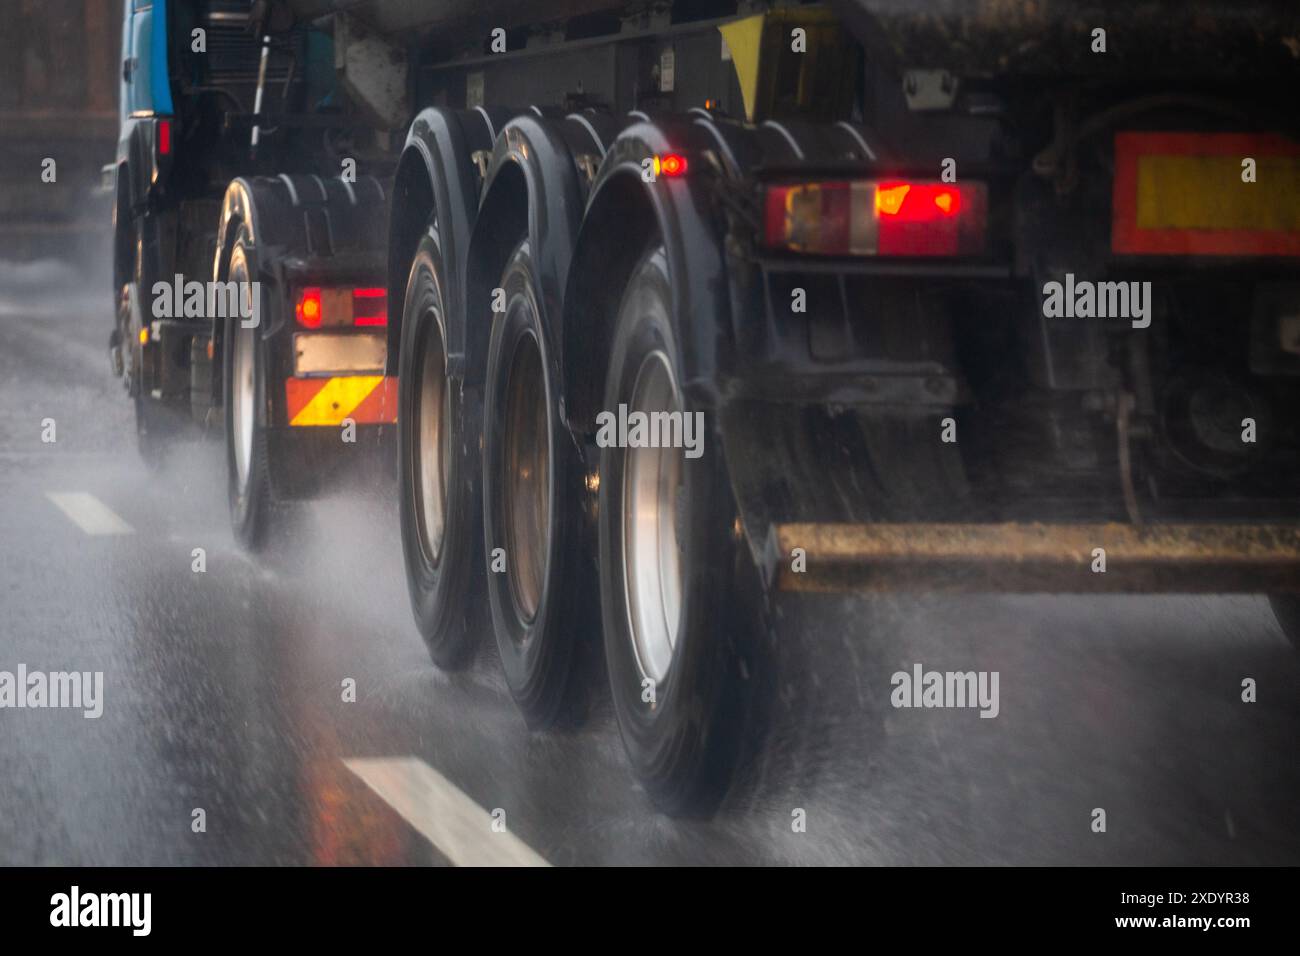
(152, 431)
(125, 336)
(533, 487)
(684, 746)
(156, 426)
(159, 423)
(244, 354)
(442, 532)
(1286, 608)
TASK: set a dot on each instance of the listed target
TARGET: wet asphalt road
(222, 691)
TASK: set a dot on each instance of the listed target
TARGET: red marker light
(670, 164)
(309, 309)
(164, 137)
(370, 306)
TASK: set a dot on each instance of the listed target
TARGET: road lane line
(89, 513)
(442, 813)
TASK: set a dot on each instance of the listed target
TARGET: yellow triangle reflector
(744, 39)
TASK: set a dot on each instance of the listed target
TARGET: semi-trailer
(658, 310)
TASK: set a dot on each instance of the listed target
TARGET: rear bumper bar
(1045, 558)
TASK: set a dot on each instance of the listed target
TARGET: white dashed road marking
(89, 513)
(451, 821)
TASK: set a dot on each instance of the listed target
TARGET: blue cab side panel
(148, 90)
(159, 85)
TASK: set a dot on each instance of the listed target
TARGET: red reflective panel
(370, 306)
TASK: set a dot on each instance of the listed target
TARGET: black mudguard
(535, 149)
(437, 176)
(683, 213)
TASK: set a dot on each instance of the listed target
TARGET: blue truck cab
(145, 142)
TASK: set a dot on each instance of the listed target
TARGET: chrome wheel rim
(431, 440)
(527, 475)
(652, 482)
(243, 398)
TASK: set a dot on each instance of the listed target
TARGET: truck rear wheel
(1286, 608)
(248, 481)
(440, 490)
(152, 431)
(532, 488)
(676, 626)
(155, 425)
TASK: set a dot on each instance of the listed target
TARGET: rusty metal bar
(1047, 558)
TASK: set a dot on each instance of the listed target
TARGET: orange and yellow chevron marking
(366, 399)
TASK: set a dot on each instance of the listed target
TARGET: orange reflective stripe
(380, 406)
(329, 401)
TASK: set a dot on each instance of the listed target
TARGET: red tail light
(164, 137)
(309, 308)
(877, 218)
(334, 307)
(370, 306)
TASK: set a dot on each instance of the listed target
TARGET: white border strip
(89, 513)
(450, 820)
